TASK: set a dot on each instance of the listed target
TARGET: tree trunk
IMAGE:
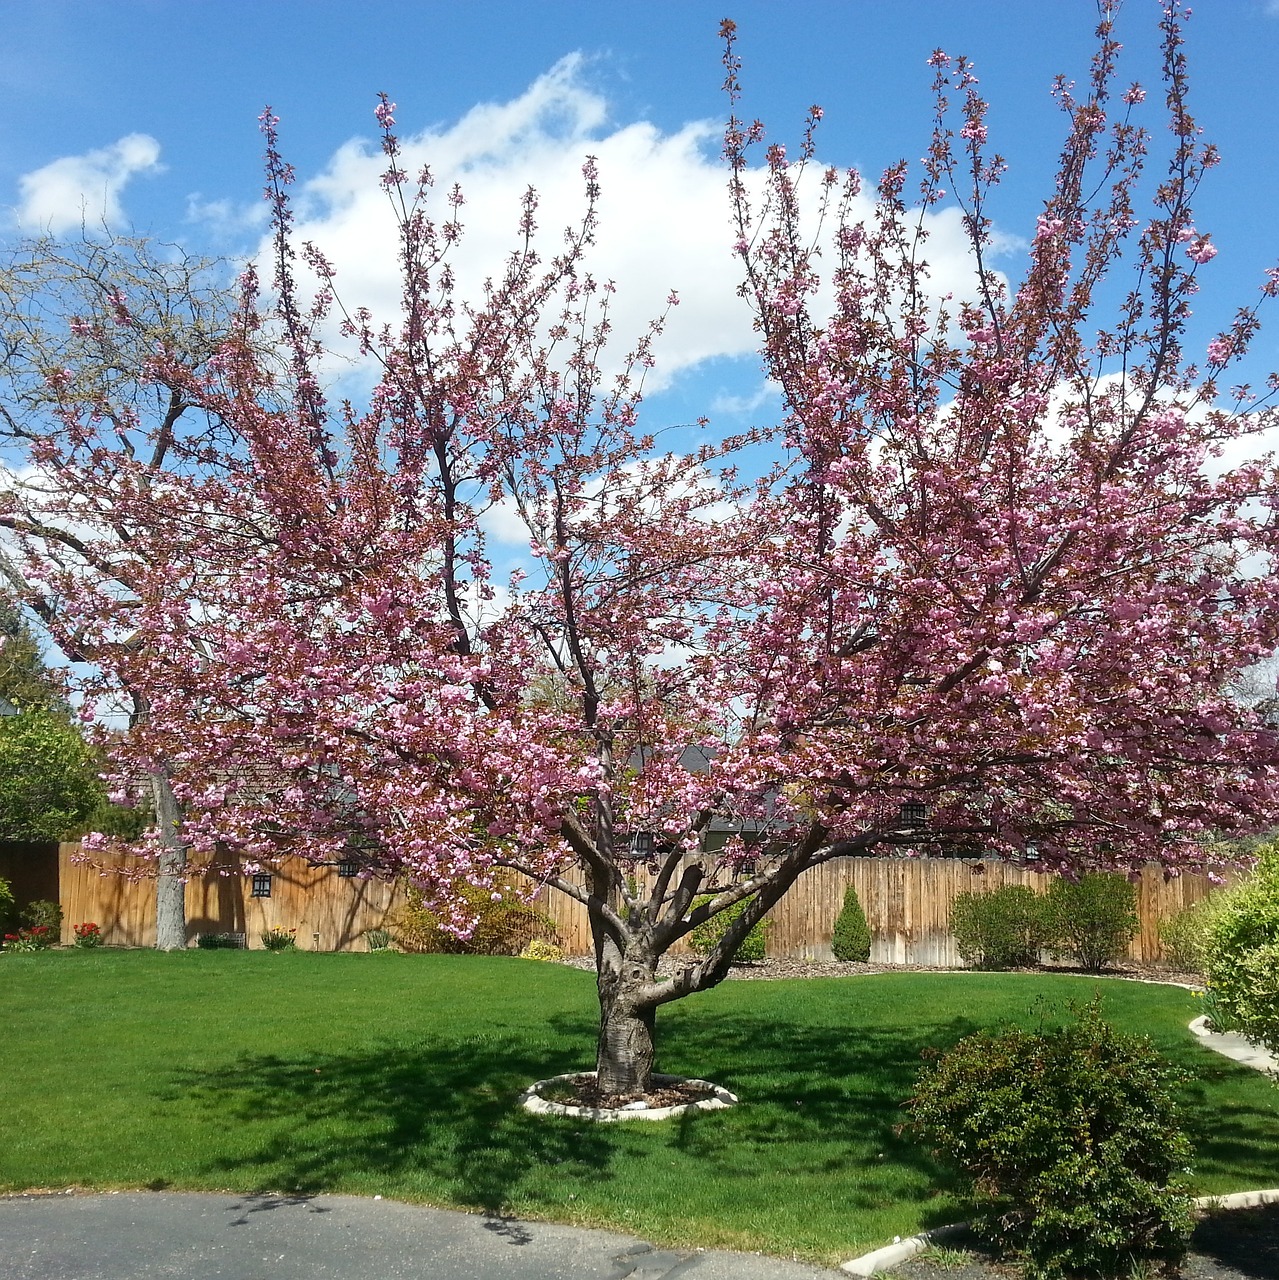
(624, 1059)
(170, 885)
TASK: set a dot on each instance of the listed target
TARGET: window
(261, 886)
(347, 868)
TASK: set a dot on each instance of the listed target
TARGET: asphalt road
(164, 1236)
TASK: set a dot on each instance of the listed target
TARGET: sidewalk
(1231, 1045)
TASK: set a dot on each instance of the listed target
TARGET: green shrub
(1000, 929)
(378, 939)
(1091, 920)
(850, 939)
(6, 901)
(705, 937)
(1067, 1140)
(87, 936)
(504, 926)
(1241, 964)
(1183, 938)
(219, 941)
(279, 939)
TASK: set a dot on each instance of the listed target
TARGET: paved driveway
(163, 1236)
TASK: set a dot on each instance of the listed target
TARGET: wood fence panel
(907, 904)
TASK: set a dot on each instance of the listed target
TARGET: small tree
(850, 939)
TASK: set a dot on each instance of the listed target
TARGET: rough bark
(170, 884)
(624, 1058)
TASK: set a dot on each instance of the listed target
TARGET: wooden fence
(907, 903)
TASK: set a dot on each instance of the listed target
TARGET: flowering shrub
(87, 935)
(39, 937)
(278, 939)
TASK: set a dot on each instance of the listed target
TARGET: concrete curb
(1230, 1046)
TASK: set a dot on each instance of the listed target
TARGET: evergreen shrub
(850, 939)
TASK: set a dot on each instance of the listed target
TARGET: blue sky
(161, 98)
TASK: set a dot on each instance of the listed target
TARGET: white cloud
(84, 190)
(664, 214)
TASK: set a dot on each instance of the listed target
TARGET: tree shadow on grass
(437, 1112)
(441, 1116)
(444, 1116)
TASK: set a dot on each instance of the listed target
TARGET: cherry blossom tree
(985, 584)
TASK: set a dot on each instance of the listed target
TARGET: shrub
(539, 950)
(1241, 961)
(1183, 938)
(999, 929)
(6, 900)
(43, 914)
(87, 935)
(1092, 920)
(220, 941)
(1067, 1141)
(504, 926)
(705, 937)
(378, 939)
(278, 939)
(850, 939)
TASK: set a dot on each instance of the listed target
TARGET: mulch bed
(582, 1091)
(772, 969)
(1231, 1244)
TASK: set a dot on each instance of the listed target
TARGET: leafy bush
(1067, 1140)
(850, 939)
(43, 914)
(87, 935)
(278, 939)
(1092, 920)
(539, 950)
(378, 939)
(1241, 959)
(220, 941)
(6, 900)
(1183, 938)
(705, 937)
(1000, 929)
(504, 926)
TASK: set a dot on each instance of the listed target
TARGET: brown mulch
(1231, 1244)
(582, 1091)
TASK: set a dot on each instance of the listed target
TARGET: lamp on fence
(912, 813)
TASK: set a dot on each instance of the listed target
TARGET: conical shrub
(851, 939)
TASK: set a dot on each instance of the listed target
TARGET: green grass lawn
(397, 1075)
